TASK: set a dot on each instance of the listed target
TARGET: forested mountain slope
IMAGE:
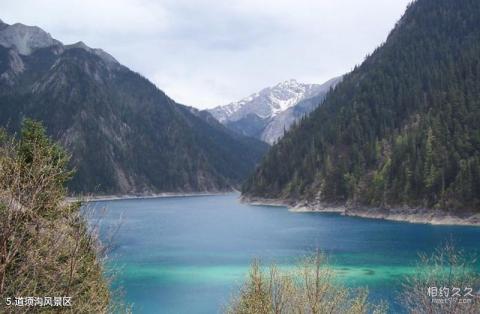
(402, 129)
(124, 134)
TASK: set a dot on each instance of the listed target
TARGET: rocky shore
(412, 215)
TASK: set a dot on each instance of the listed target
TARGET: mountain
(125, 135)
(267, 114)
(402, 129)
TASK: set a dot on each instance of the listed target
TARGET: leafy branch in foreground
(311, 288)
(46, 248)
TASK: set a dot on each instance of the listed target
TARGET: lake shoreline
(402, 214)
(100, 198)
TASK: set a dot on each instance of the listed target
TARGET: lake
(189, 254)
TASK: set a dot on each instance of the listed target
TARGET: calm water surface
(188, 254)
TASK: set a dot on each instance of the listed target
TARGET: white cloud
(205, 53)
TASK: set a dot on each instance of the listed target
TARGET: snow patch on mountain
(266, 103)
(268, 113)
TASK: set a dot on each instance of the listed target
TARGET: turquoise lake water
(189, 254)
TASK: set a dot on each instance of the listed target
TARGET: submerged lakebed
(189, 254)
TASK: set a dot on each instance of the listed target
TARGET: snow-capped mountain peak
(288, 93)
(268, 113)
(266, 103)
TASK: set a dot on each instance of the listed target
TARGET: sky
(205, 53)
